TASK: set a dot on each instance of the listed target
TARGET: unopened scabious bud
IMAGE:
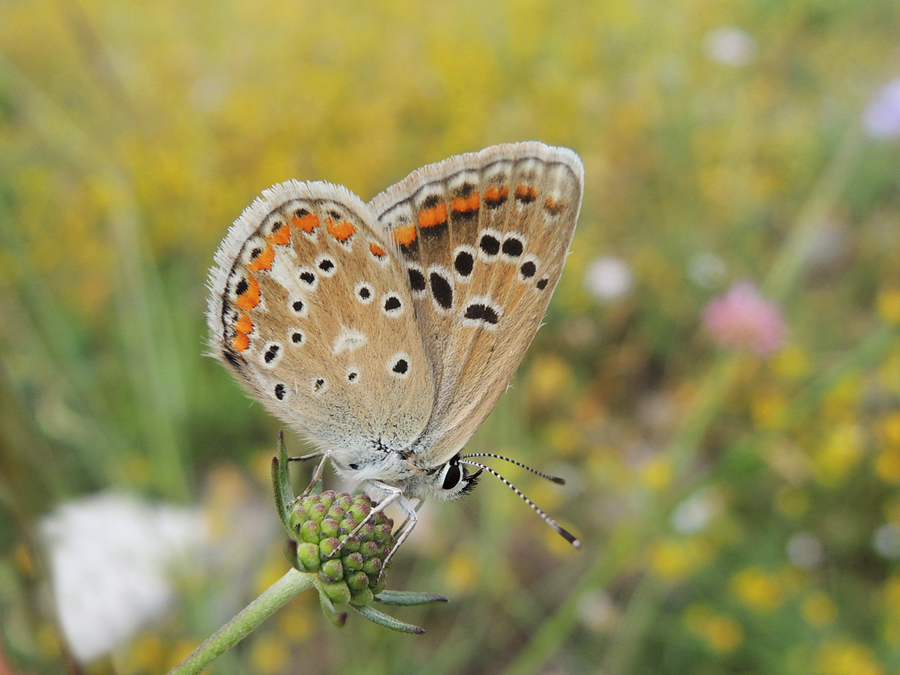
(349, 568)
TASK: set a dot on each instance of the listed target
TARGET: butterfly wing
(314, 316)
(484, 237)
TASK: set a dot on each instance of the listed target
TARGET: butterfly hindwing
(484, 237)
(314, 315)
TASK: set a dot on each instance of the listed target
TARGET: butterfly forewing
(314, 314)
(484, 237)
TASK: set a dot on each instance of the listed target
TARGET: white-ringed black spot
(441, 288)
(364, 292)
(527, 270)
(308, 278)
(398, 365)
(392, 305)
(271, 354)
(297, 337)
(489, 244)
(298, 306)
(542, 284)
(513, 247)
(319, 385)
(353, 375)
(326, 265)
(280, 391)
(416, 280)
(464, 261)
(481, 312)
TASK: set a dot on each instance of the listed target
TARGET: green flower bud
(309, 532)
(318, 512)
(337, 592)
(362, 597)
(347, 567)
(308, 556)
(331, 570)
(357, 580)
(327, 498)
(298, 517)
(353, 562)
(328, 547)
(330, 527)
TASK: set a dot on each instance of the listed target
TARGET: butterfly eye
(452, 477)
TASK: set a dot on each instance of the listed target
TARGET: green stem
(275, 597)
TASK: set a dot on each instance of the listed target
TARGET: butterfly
(385, 333)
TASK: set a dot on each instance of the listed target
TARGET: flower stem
(276, 596)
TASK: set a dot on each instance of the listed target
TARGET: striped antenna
(554, 479)
(561, 531)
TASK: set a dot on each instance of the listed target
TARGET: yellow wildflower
(844, 657)
(818, 609)
(677, 559)
(656, 473)
(889, 305)
(269, 654)
(838, 454)
(757, 590)
(791, 363)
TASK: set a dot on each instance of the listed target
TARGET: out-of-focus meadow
(718, 377)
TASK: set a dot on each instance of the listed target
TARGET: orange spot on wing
(281, 236)
(554, 206)
(376, 249)
(240, 342)
(263, 261)
(405, 235)
(496, 194)
(307, 223)
(526, 193)
(341, 231)
(436, 215)
(249, 298)
(465, 204)
(244, 324)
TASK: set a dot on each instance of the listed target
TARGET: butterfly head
(453, 480)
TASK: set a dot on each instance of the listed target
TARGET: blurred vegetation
(740, 514)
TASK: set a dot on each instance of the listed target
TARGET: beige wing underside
(484, 237)
(313, 314)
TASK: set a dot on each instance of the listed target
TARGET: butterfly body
(385, 332)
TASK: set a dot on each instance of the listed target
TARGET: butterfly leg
(404, 531)
(393, 494)
(317, 474)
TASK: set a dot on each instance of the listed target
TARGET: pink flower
(742, 319)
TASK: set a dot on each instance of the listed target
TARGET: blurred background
(718, 377)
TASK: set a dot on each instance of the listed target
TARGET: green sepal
(281, 483)
(408, 598)
(335, 617)
(386, 621)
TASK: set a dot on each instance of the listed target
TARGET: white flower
(696, 512)
(109, 556)
(730, 46)
(882, 117)
(608, 278)
(886, 541)
(805, 551)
